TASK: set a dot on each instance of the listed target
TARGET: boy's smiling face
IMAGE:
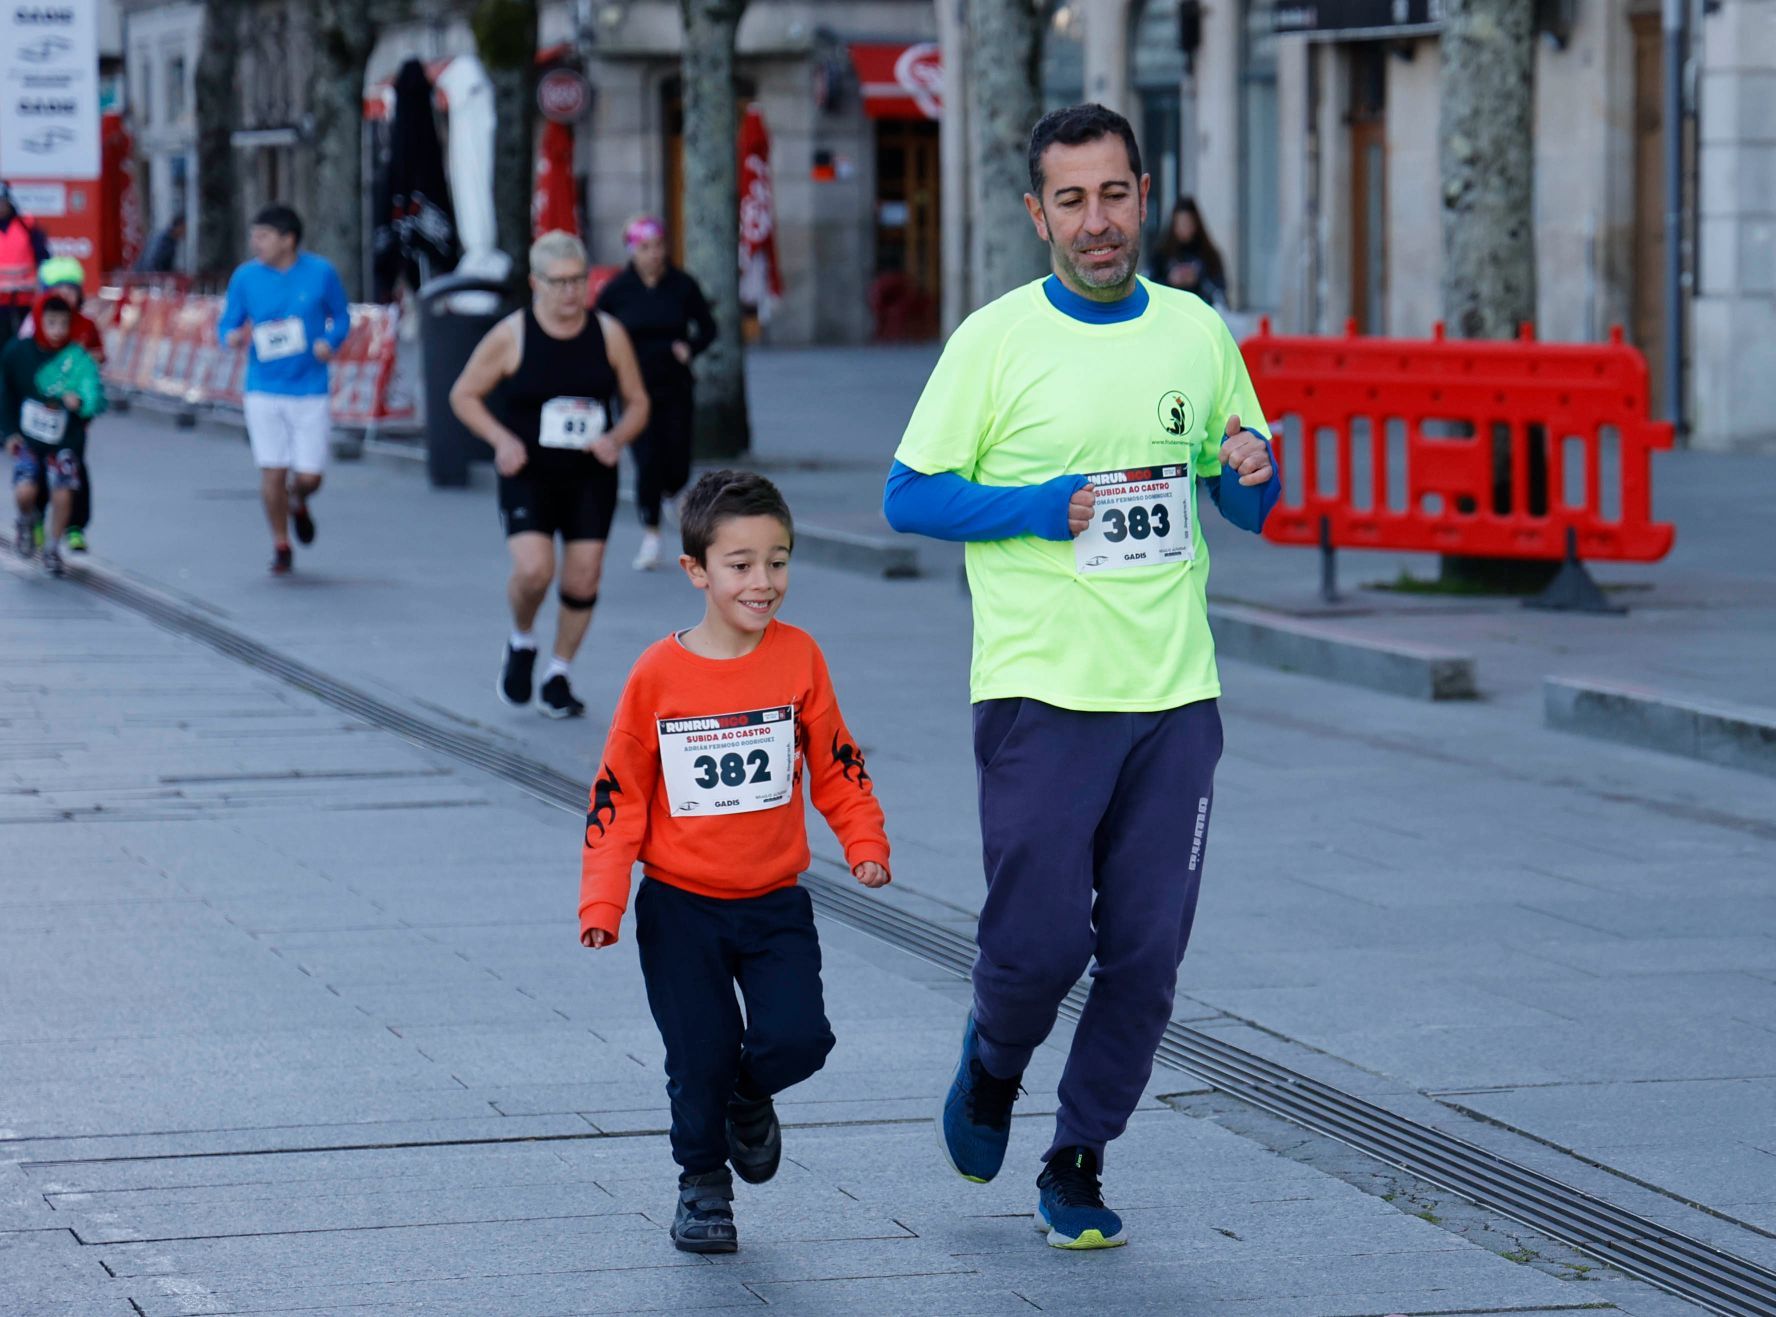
(744, 574)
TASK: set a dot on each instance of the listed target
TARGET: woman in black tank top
(563, 373)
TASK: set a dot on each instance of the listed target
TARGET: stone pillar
(1107, 55)
(1734, 390)
(958, 299)
(1217, 119)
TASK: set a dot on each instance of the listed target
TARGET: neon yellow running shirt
(1024, 393)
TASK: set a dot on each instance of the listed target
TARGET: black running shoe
(283, 561)
(514, 685)
(755, 1139)
(558, 698)
(304, 524)
(704, 1221)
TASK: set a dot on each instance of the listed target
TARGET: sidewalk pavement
(1556, 949)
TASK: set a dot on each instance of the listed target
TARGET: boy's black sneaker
(514, 686)
(282, 560)
(558, 698)
(755, 1139)
(704, 1221)
(304, 524)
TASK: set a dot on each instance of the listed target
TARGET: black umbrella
(416, 226)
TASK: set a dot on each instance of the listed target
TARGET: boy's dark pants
(694, 950)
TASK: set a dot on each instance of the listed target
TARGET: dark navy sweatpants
(1093, 827)
(694, 950)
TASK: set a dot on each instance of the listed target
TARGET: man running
(291, 306)
(556, 454)
(1062, 435)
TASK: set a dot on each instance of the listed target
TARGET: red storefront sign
(900, 81)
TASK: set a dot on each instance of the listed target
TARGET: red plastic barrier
(160, 341)
(1491, 449)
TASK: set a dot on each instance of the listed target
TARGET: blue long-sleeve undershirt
(945, 506)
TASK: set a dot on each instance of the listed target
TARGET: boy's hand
(71, 401)
(871, 874)
(240, 334)
(323, 350)
(596, 937)
(13, 444)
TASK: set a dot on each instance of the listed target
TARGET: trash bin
(447, 337)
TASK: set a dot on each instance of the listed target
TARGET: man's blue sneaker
(975, 1123)
(1071, 1209)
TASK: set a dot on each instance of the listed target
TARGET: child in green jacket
(49, 390)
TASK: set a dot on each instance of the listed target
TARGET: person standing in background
(162, 254)
(669, 323)
(1186, 257)
(23, 247)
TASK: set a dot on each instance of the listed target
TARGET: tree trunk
(217, 102)
(344, 37)
(1487, 160)
(1004, 55)
(1488, 166)
(712, 218)
(506, 37)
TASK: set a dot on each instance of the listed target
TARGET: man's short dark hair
(723, 496)
(1075, 125)
(281, 218)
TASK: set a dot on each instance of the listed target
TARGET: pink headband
(646, 229)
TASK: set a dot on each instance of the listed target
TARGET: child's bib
(46, 425)
(728, 763)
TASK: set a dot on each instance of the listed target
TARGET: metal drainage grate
(1718, 1281)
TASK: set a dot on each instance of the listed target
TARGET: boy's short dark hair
(282, 218)
(57, 306)
(1075, 125)
(722, 496)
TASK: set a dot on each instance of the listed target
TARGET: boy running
(49, 390)
(702, 781)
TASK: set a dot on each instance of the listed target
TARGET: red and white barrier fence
(161, 342)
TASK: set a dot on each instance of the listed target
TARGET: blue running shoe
(975, 1123)
(1071, 1209)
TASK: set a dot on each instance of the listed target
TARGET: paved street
(292, 1016)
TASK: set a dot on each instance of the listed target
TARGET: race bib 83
(571, 422)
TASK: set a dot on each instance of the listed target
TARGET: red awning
(900, 82)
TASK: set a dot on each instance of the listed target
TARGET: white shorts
(289, 433)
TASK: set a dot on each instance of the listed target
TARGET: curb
(1314, 649)
(1728, 735)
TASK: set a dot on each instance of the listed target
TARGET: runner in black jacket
(669, 322)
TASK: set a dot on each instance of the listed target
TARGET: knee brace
(577, 601)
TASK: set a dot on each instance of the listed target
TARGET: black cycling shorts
(573, 498)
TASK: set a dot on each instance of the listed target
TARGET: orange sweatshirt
(702, 776)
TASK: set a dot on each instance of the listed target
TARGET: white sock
(523, 640)
(558, 667)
